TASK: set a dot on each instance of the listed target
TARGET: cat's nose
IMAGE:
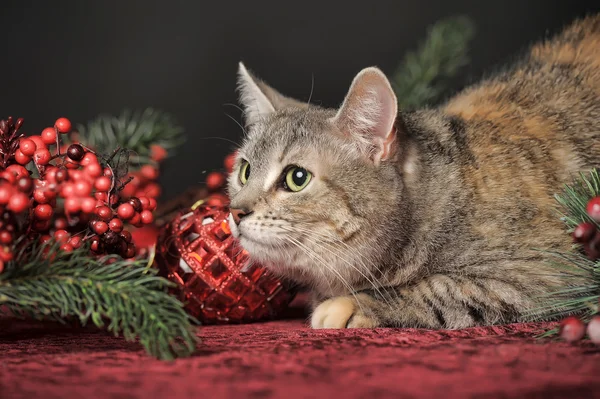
(238, 213)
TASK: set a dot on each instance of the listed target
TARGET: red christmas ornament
(197, 252)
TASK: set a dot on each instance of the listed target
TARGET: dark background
(82, 58)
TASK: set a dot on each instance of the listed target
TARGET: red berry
(63, 125)
(25, 185)
(89, 159)
(18, 202)
(129, 190)
(593, 329)
(72, 205)
(67, 190)
(136, 220)
(107, 172)
(88, 205)
(96, 245)
(76, 175)
(101, 196)
(572, 329)
(66, 247)
(71, 165)
(18, 171)
(39, 144)
(75, 152)
(144, 201)
(217, 200)
(83, 188)
(48, 136)
(103, 183)
(130, 252)
(593, 208)
(229, 162)
(157, 153)
(149, 172)
(100, 227)
(6, 192)
(75, 241)
(152, 190)
(147, 217)
(6, 254)
(60, 224)
(152, 204)
(126, 236)
(22, 158)
(6, 237)
(136, 204)
(27, 147)
(43, 211)
(592, 247)
(61, 175)
(125, 211)
(45, 239)
(215, 181)
(42, 156)
(61, 235)
(8, 176)
(104, 213)
(93, 170)
(116, 225)
(584, 232)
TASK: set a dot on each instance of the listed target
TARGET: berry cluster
(70, 195)
(573, 329)
(215, 183)
(587, 233)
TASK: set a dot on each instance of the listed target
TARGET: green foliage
(581, 294)
(135, 131)
(420, 79)
(126, 297)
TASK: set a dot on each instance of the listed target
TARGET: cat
(428, 218)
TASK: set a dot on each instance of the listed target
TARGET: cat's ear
(259, 99)
(368, 114)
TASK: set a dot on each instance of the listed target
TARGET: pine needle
(125, 297)
(421, 78)
(135, 130)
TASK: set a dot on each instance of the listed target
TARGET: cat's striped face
(308, 188)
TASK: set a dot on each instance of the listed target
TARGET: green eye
(296, 179)
(244, 172)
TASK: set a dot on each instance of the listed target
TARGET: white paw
(336, 312)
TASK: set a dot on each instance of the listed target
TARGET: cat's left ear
(259, 99)
(368, 114)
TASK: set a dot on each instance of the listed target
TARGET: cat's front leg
(351, 311)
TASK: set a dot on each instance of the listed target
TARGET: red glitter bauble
(214, 278)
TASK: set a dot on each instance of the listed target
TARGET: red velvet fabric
(285, 358)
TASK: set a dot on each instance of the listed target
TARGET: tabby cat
(426, 218)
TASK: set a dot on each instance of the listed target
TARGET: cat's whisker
(314, 256)
(319, 244)
(237, 123)
(333, 241)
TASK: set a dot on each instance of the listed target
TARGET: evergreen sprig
(135, 130)
(421, 77)
(581, 294)
(127, 297)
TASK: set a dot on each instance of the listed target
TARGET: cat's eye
(296, 179)
(244, 172)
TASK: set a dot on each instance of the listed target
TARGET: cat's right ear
(258, 98)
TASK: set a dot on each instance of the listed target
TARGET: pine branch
(136, 131)
(420, 79)
(128, 295)
(581, 293)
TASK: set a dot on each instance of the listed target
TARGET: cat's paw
(341, 312)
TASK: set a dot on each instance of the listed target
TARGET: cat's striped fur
(431, 220)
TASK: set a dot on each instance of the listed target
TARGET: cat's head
(312, 189)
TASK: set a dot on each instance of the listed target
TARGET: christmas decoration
(197, 251)
(593, 329)
(580, 202)
(572, 329)
(420, 79)
(65, 236)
